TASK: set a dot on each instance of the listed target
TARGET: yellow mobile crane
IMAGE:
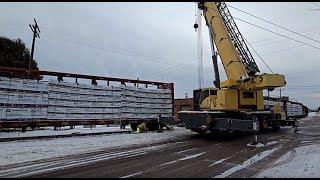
(236, 104)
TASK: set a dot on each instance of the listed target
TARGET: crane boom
(238, 40)
(235, 55)
(237, 104)
(231, 61)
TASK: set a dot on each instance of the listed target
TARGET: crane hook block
(196, 26)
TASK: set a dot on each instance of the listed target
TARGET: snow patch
(262, 145)
(246, 163)
(283, 158)
(191, 156)
(182, 159)
(271, 143)
(185, 150)
(49, 131)
(220, 161)
(256, 145)
(131, 175)
(171, 162)
(23, 151)
(304, 164)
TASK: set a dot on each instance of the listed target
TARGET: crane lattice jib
(237, 39)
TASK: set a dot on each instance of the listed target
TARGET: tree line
(14, 53)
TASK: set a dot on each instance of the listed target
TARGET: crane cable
(275, 24)
(276, 33)
(198, 28)
(270, 31)
(258, 55)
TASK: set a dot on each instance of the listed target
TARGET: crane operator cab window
(248, 94)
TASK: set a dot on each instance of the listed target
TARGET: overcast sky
(156, 41)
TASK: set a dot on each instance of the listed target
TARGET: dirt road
(191, 156)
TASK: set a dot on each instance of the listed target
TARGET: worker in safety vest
(169, 127)
(142, 127)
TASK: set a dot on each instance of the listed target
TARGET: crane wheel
(275, 126)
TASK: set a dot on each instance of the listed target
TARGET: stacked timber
(22, 99)
(83, 102)
(142, 103)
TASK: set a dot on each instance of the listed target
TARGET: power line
(258, 55)
(305, 29)
(282, 50)
(128, 51)
(276, 33)
(270, 31)
(274, 24)
(272, 42)
(100, 45)
(87, 43)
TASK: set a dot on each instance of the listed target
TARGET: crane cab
(227, 99)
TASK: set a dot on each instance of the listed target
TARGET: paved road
(192, 156)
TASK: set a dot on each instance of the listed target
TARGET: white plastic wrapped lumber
(21, 98)
(39, 113)
(56, 102)
(27, 84)
(97, 110)
(56, 116)
(63, 96)
(94, 116)
(17, 113)
(4, 82)
(43, 86)
(42, 99)
(63, 109)
(3, 97)
(110, 116)
(65, 89)
(2, 113)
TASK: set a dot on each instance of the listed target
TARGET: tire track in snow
(130, 175)
(246, 163)
(183, 159)
(33, 169)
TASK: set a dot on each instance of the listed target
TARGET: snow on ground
(259, 145)
(219, 161)
(271, 143)
(256, 145)
(183, 159)
(49, 131)
(28, 150)
(311, 114)
(246, 163)
(301, 163)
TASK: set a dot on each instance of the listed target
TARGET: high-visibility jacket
(141, 127)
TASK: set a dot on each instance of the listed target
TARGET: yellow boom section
(231, 61)
(237, 61)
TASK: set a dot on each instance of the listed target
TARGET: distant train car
(291, 109)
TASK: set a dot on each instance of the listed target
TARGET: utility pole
(34, 28)
(280, 92)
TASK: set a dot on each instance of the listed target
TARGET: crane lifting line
(272, 31)
(275, 24)
(199, 48)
